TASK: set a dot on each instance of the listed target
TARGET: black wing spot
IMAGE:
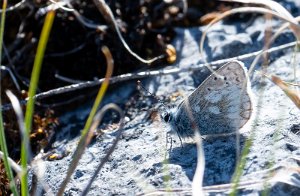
(166, 116)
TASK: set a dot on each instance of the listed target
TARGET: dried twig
(86, 22)
(144, 74)
(14, 79)
(13, 164)
(109, 17)
(14, 7)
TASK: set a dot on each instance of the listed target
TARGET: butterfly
(221, 104)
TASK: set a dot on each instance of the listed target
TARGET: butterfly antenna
(180, 140)
(139, 83)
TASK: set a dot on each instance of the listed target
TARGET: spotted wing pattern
(220, 105)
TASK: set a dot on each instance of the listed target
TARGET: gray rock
(143, 161)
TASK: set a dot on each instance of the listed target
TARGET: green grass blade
(242, 163)
(32, 90)
(240, 168)
(82, 142)
(5, 157)
(101, 92)
(2, 134)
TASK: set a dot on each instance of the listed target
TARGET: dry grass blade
(54, 6)
(199, 173)
(61, 4)
(287, 176)
(109, 17)
(13, 164)
(289, 179)
(144, 74)
(14, 7)
(207, 189)
(242, 10)
(82, 142)
(87, 23)
(14, 79)
(97, 120)
(280, 30)
(291, 93)
(287, 173)
(273, 5)
(38, 183)
(279, 12)
(268, 44)
(242, 184)
(17, 108)
(20, 119)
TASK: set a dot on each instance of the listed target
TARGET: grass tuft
(32, 91)
(2, 133)
(84, 135)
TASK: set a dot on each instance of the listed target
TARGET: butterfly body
(220, 105)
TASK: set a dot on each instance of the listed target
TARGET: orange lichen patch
(43, 130)
(175, 95)
(56, 156)
(171, 53)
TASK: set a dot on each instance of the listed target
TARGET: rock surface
(144, 161)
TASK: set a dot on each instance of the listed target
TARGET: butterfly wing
(221, 104)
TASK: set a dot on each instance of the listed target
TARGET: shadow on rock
(220, 159)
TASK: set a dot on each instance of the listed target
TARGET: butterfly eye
(166, 116)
